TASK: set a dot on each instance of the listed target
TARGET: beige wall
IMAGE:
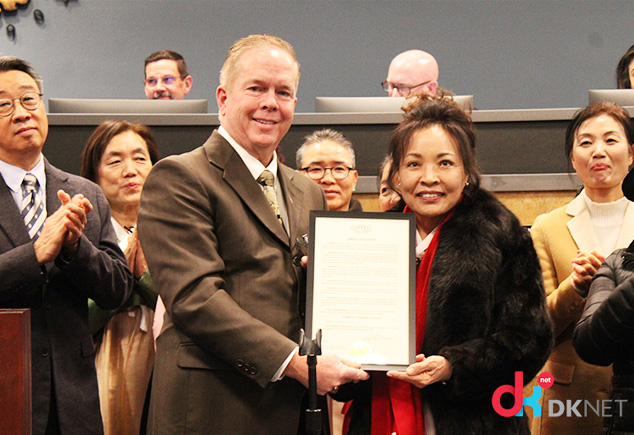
(526, 205)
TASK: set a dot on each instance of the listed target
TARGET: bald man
(413, 72)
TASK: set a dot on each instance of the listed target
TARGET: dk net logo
(555, 408)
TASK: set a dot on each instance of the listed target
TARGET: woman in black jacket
(481, 312)
(605, 332)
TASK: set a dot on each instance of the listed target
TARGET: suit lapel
(582, 231)
(292, 197)
(55, 180)
(10, 220)
(237, 175)
(580, 226)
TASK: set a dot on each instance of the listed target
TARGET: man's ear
(189, 81)
(221, 99)
(356, 179)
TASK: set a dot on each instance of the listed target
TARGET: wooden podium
(15, 371)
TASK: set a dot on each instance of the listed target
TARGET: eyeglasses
(401, 89)
(29, 100)
(339, 172)
(167, 81)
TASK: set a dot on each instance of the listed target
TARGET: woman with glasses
(118, 156)
(480, 304)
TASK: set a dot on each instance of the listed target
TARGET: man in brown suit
(225, 260)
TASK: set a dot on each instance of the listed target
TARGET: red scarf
(397, 405)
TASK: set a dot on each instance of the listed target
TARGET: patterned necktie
(32, 208)
(266, 179)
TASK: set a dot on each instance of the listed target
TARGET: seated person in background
(166, 76)
(327, 158)
(625, 70)
(413, 72)
(56, 251)
(605, 333)
(118, 157)
(389, 199)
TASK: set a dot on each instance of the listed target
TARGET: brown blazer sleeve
(227, 281)
(563, 301)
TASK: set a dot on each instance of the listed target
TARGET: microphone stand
(311, 348)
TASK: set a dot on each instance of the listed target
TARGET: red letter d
(515, 391)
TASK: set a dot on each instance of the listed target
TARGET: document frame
(361, 286)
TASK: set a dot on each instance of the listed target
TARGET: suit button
(45, 352)
(253, 371)
(240, 363)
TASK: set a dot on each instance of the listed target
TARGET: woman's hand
(130, 250)
(584, 266)
(425, 371)
(134, 255)
(140, 265)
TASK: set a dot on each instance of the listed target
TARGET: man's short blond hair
(229, 69)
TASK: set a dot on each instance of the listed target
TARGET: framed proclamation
(361, 289)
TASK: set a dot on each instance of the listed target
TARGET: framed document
(361, 289)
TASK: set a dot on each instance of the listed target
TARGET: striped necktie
(266, 179)
(32, 209)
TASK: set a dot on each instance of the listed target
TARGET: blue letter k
(533, 403)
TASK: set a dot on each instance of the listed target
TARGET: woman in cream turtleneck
(572, 242)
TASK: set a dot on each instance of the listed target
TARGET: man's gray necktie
(32, 209)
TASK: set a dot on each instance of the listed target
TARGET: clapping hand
(63, 228)
(134, 255)
(584, 267)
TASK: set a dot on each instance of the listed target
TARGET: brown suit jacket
(557, 237)
(224, 268)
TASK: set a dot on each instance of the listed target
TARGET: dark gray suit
(61, 345)
(234, 297)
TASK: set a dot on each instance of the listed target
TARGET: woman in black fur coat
(481, 313)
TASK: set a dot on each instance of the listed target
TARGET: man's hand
(331, 372)
(63, 228)
(425, 371)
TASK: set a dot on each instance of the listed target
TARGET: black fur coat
(486, 314)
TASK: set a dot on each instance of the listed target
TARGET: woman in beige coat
(572, 242)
